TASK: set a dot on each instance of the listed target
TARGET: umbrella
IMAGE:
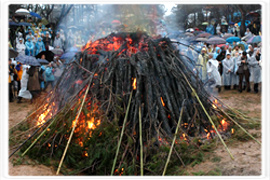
(68, 55)
(227, 35)
(205, 23)
(30, 60)
(13, 53)
(201, 39)
(22, 11)
(116, 22)
(216, 40)
(49, 55)
(189, 34)
(58, 51)
(35, 15)
(254, 39)
(222, 45)
(43, 61)
(25, 24)
(242, 45)
(204, 35)
(232, 39)
(190, 30)
(72, 27)
(12, 23)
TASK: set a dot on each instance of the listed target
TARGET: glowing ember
(134, 84)
(232, 130)
(214, 106)
(163, 104)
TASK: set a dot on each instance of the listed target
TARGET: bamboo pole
(141, 143)
(73, 128)
(174, 138)
(208, 116)
(122, 132)
(43, 132)
(240, 126)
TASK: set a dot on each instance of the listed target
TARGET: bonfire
(123, 98)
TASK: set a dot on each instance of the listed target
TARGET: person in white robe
(228, 66)
(24, 93)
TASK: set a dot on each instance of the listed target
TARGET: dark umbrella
(13, 53)
(35, 15)
(201, 39)
(43, 61)
(30, 60)
(12, 23)
(204, 35)
(25, 24)
(216, 40)
(49, 55)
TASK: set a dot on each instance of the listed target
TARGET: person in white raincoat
(255, 64)
(24, 93)
(212, 72)
(235, 78)
(20, 47)
(228, 66)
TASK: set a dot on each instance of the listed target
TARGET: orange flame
(134, 84)
(163, 104)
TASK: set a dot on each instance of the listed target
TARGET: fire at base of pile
(130, 76)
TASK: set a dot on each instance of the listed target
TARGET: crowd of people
(230, 66)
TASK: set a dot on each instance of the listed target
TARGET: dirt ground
(247, 154)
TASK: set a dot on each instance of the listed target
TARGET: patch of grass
(215, 172)
(216, 159)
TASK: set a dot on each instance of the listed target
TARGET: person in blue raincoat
(217, 52)
(29, 47)
(40, 46)
(49, 76)
(255, 64)
(228, 66)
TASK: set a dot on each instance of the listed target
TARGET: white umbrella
(22, 12)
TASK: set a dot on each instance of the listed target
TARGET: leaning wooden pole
(174, 138)
(122, 133)
(208, 116)
(141, 143)
(73, 128)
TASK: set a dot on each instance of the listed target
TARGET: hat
(20, 39)
(203, 49)
(47, 32)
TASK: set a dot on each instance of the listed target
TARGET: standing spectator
(247, 36)
(47, 41)
(39, 46)
(235, 78)
(49, 76)
(10, 80)
(202, 60)
(220, 57)
(24, 93)
(19, 70)
(227, 71)
(254, 63)
(214, 78)
(243, 71)
(58, 41)
(236, 50)
(29, 34)
(33, 82)
(29, 47)
(20, 47)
